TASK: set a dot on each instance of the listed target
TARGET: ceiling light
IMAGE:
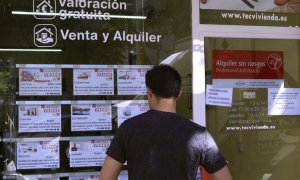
(29, 50)
(83, 15)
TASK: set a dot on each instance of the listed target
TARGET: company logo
(274, 61)
(45, 35)
(44, 6)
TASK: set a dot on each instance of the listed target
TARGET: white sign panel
(40, 82)
(265, 5)
(39, 118)
(93, 81)
(38, 155)
(218, 96)
(128, 110)
(91, 117)
(88, 153)
(284, 101)
(131, 81)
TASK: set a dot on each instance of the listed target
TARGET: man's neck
(162, 104)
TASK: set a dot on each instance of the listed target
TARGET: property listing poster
(284, 101)
(91, 117)
(91, 177)
(38, 155)
(39, 118)
(88, 153)
(131, 109)
(40, 82)
(93, 81)
(250, 12)
(131, 81)
(247, 69)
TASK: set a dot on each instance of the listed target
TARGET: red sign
(241, 64)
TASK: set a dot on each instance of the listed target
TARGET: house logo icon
(45, 35)
(46, 7)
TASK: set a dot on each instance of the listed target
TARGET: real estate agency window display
(76, 72)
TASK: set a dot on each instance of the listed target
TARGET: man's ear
(179, 95)
(149, 92)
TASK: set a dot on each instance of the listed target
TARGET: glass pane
(258, 132)
(61, 59)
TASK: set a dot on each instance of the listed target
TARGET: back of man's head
(164, 81)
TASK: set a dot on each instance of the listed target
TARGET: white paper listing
(131, 81)
(93, 81)
(88, 153)
(40, 82)
(218, 96)
(39, 118)
(283, 101)
(91, 117)
(133, 108)
(38, 155)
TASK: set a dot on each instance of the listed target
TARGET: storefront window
(73, 71)
(252, 105)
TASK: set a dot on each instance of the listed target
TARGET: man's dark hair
(164, 81)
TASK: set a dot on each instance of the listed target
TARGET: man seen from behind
(160, 144)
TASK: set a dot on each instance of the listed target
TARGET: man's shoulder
(190, 123)
(153, 115)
